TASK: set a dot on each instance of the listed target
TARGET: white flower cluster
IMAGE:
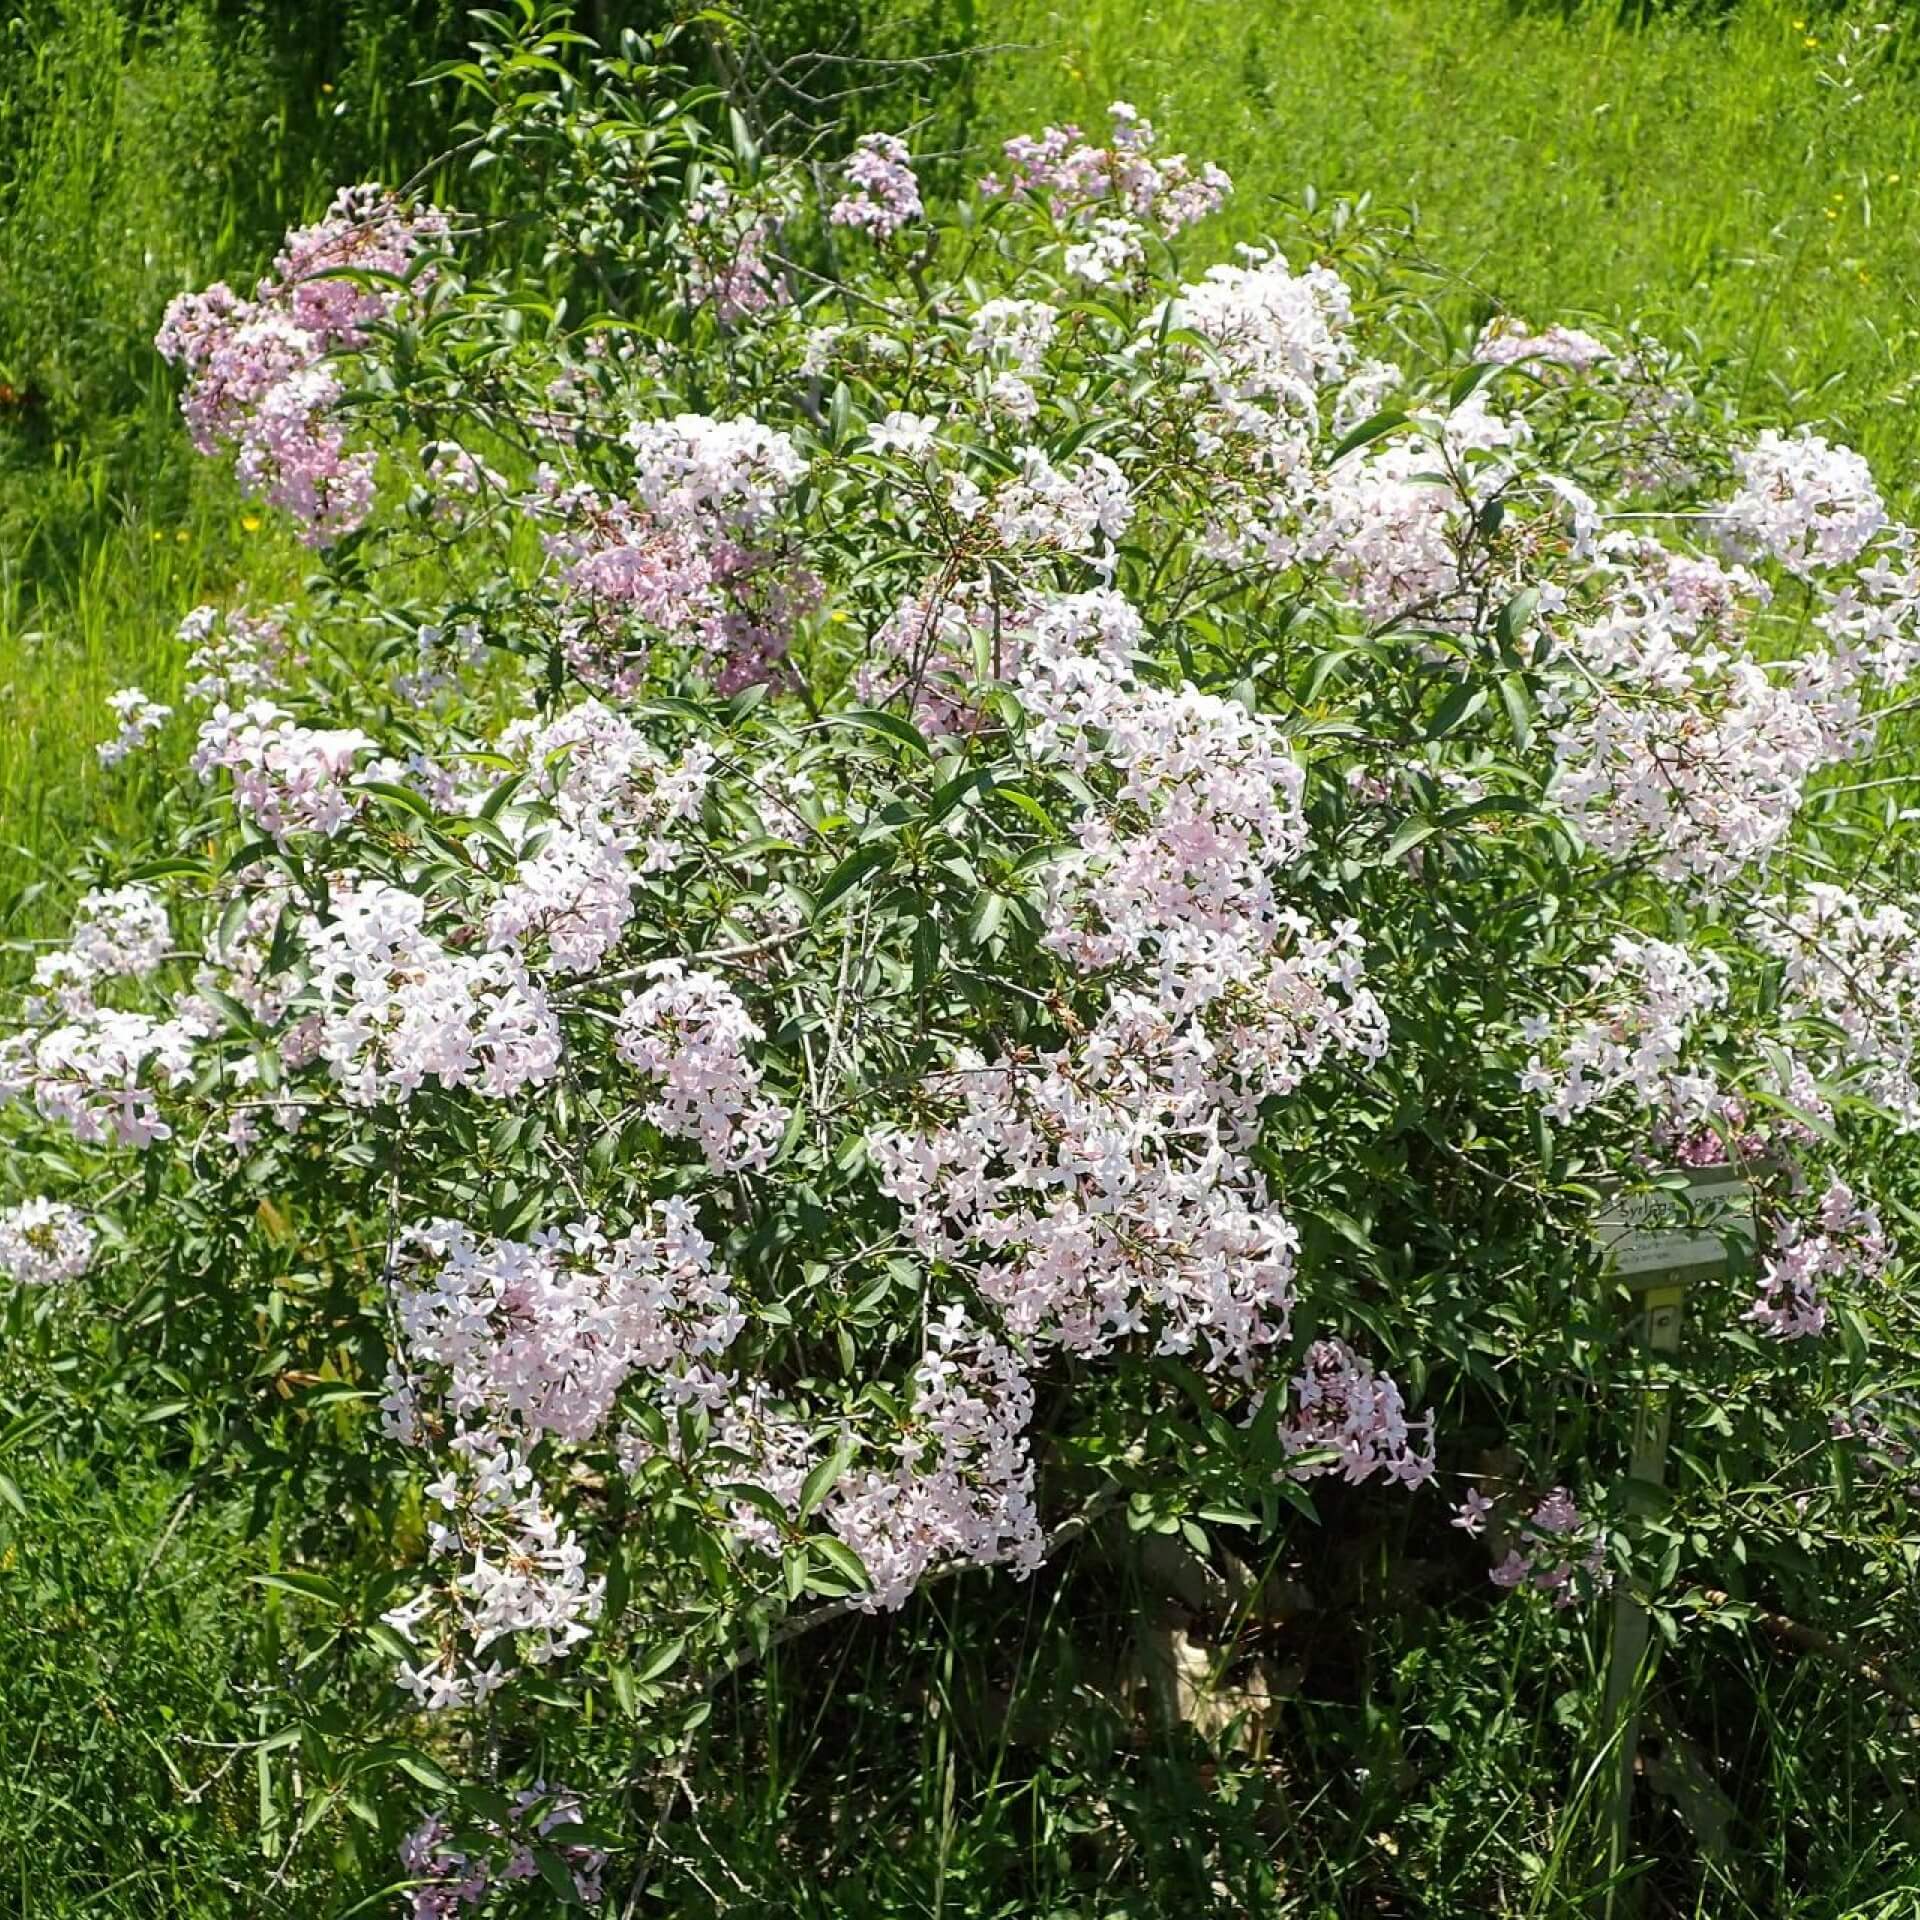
(397, 1006)
(539, 1336)
(1681, 745)
(1854, 969)
(287, 778)
(140, 719)
(611, 796)
(43, 1242)
(689, 1033)
(1845, 1239)
(1653, 994)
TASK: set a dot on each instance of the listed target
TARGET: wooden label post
(1657, 1239)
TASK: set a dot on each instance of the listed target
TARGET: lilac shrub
(870, 877)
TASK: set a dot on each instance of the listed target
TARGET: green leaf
(310, 1586)
(402, 797)
(1519, 705)
(1514, 618)
(668, 1656)
(1456, 709)
(819, 1483)
(1375, 427)
(872, 720)
(838, 1555)
(429, 1773)
(1412, 830)
(178, 867)
(559, 1878)
(851, 871)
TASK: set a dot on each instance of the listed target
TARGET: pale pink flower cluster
(459, 476)
(1680, 745)
(1087, 1200)
(366, 230)
(1103, 1190)
(1388, 519)
(539, 1336)
(1344, 1406)
(612, 795)
(96, 1072)
(690, 1035)
(1652, 995)
(1803, 501)
(1110, 246)
(257, 377)
(1854, 968)
(725, 242)
(233, 656)
(963, 1485)
(885, 194)
(1873, 619)
(1206, 813)
(1846, 1238)
(675, 555)
(1555, 1541)
(1509, 341)
(1364, 392)
(394, 1006)
(1018, 332)
(122, 932)
(140, 719)
(43, 1242)
(931, 648)
(1069, 508)
(520, 1588)
(1079, 181)
(287, 778)
(448, 1878)
(763, 1447)
(1275, 338)
(694, 469)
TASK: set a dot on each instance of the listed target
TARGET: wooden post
(1658, 1239)
(1659, 1305)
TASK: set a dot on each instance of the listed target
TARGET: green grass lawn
(1750, 179)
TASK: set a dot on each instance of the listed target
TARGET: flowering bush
(921, 872)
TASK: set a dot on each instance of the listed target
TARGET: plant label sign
(1673, 1229)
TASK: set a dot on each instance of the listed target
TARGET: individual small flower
(1512, 1571)
(908, 434)
(43, 1242)
(1009, 394)
(1470, 1516)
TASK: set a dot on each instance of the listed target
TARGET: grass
(1715, 172)
(146, 148)
(1745, 173)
